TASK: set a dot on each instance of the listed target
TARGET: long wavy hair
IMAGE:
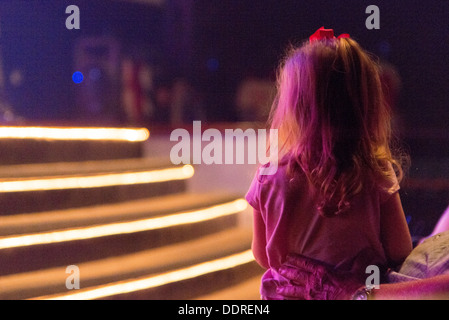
(332, 119)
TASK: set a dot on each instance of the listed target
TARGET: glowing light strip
(125, 227)
(159, 280)
(61, 133)
(95, 181)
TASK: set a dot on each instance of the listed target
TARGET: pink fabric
(350, 241)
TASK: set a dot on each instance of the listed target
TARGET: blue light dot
(408, 218)
(384, 48)
(213, 64)
(77, 77)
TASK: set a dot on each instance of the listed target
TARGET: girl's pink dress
(288, 207)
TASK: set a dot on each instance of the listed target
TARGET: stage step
(245, 290)
(62, 237)
(21, 145)
(176, 271)
(81, 167)
(41, 187)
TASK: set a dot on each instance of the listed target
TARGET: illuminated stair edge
(96, 181)
(171, 220)
(144, 283)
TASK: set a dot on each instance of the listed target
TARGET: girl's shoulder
(285, 172)
(387, 183)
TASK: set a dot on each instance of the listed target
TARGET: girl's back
(336, 171)
(287, 206)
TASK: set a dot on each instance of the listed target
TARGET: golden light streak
(71, 133)
(125, 227)
(96, 181)
(158, 280)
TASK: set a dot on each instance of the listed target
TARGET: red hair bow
(322, 33)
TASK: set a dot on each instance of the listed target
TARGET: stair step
(58, 144)
(109, 213)
(248, 289)
(60, 237)
(40, 187)
(144, 265)
(34, 170)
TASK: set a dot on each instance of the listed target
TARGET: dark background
(215, 43)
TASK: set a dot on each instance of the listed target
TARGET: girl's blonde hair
(332, 119)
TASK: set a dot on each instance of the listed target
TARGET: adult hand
(314, 280)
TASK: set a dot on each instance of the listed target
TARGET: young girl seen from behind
(334, 197)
